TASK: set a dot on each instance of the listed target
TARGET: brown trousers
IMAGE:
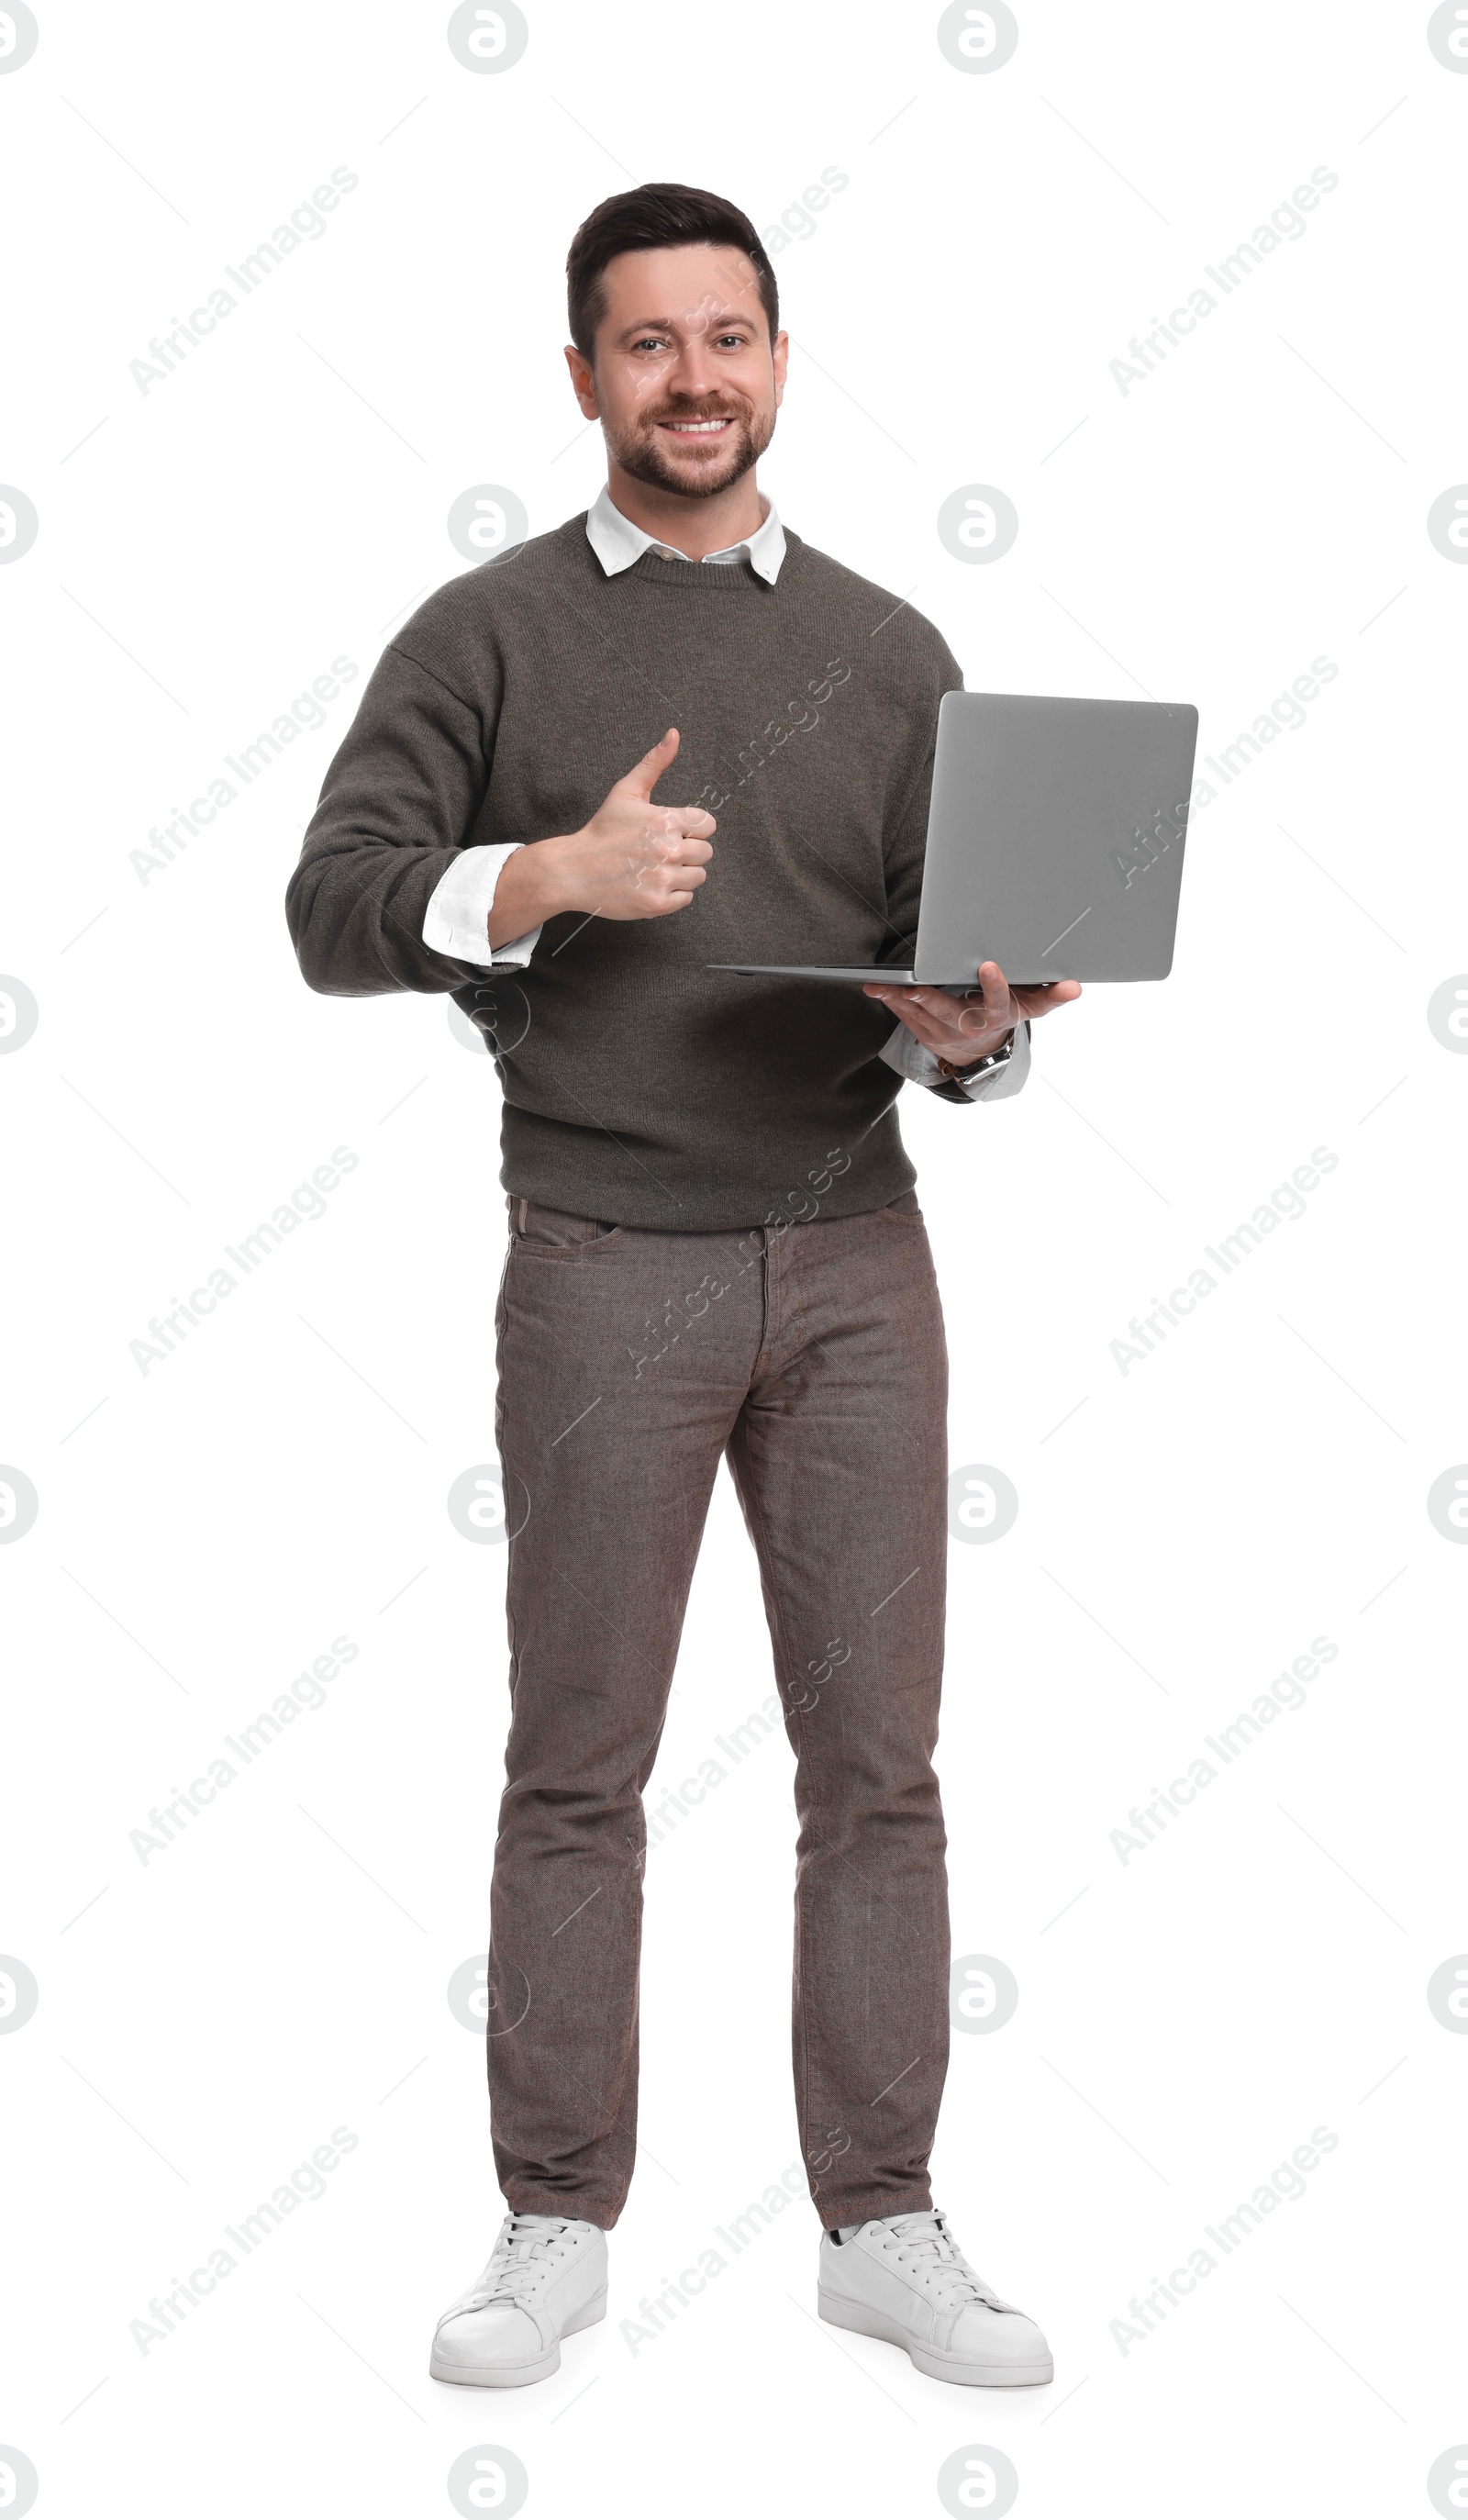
(812, 1356)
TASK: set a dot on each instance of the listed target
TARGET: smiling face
(685, 379)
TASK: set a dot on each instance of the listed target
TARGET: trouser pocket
(552, 1228)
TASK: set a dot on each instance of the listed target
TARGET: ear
(583, 383)
(780, 355)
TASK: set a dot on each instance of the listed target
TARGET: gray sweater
(639, 1086)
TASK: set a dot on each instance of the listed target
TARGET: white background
(1186, 1528)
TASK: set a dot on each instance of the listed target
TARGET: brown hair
(638, 222)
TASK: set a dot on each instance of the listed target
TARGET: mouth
(706, 433)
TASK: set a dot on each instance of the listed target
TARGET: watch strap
(985, 1066)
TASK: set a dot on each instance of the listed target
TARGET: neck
(694, 526)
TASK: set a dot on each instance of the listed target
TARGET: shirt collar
(617, 542)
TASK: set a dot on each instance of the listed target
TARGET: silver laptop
(1054, 844)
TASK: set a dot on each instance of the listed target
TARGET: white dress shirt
(457, 918)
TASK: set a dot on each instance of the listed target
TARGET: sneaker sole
(923, 2357)
(517, 2375)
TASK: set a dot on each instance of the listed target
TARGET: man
(715, 1249)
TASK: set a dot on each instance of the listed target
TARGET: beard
(640, 451)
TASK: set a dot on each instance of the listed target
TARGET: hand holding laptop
(964, 1028)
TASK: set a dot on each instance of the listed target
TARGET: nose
(692, 371)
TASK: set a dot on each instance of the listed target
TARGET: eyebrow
(669, 324)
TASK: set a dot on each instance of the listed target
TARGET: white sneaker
(546, 2277)
(906, 2280)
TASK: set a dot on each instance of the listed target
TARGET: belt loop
(524, 1204)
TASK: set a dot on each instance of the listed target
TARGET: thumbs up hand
(633, 860)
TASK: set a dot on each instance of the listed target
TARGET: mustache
(693, 411)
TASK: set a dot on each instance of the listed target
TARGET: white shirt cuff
(912, 1060)
(457, 918)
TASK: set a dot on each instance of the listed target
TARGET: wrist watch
(984, 1066)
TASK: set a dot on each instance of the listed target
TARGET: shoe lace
(925, 2242)
(525, 2254)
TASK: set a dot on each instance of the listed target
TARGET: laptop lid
(1055, 838)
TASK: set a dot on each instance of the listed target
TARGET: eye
(651, 342)
(734, 341)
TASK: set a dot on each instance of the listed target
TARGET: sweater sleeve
(400, 798)
(904, 838)
(906, 842)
